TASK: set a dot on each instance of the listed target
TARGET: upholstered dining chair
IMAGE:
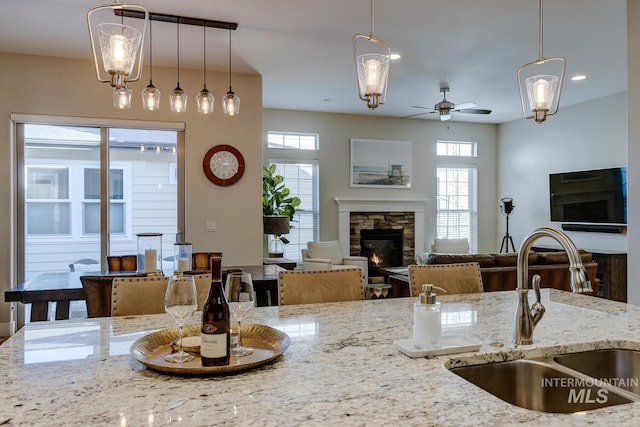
(328, 256)
(316, 286)
(145, 295)
(459, 278)
(203, 283)
(138, 295)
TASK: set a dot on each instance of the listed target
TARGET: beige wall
(64, 87)
(335, 130)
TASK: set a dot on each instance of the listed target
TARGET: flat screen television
(596, 196)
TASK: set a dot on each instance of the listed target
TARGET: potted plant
(278, 209)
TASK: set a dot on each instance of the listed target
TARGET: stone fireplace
(355, 215)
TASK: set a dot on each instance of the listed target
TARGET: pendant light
(230, 102)
(150, 94)
(205, 99)
(178, 97)
(122, 98)
(372, 67)
(543, 80)
(120, 45)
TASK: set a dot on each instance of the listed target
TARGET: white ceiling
(303, 50)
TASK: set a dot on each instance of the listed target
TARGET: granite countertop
(341, 368)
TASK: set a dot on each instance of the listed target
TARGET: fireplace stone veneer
(405, 214)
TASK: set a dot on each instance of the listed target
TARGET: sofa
(499, 270)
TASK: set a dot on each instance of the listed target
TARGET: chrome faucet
(526, 318)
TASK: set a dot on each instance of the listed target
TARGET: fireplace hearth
(382, 247)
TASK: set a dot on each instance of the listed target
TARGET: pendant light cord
(150, 52)
(178, 50)
(540, 35)
(229, 59)
(373, 15)
(204, 62)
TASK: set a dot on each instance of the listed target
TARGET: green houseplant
(278, 209)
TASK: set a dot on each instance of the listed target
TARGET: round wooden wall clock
(223, 165)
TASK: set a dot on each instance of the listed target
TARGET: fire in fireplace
(382, 247)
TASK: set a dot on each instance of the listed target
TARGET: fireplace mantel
(346, 206)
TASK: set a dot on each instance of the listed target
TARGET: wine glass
(180, 301)
(240, 296)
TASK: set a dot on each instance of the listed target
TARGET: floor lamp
(507, 209)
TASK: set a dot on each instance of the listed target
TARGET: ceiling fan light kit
(542, 81)
(372, 67)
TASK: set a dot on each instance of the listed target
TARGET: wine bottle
(216, 321)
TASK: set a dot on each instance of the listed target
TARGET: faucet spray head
(579, 282)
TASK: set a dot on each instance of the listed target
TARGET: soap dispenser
(427, 318)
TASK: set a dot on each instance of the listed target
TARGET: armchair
(328, 256)
(450, 246)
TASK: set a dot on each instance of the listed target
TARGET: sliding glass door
(85, 191)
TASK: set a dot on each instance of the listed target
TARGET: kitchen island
(340, 369)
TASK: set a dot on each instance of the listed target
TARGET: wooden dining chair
(458, 278)
(138, 295)
(316, 286)
(97, 290)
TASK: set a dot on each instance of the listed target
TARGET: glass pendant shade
(373, 74)
(541, 91)
(205, 101)
(119, 45)
(122, 97)
(540, 84)
(151, 98)
(231, 104)
(445, 115)
(178, 100)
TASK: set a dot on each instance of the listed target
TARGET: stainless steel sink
(561, 384)
(618, 366)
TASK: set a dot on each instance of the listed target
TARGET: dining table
(342, 366)
(63, 287)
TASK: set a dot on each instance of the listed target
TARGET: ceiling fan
(446, 107)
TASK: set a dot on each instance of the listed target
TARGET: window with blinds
(456, 211)
(301, 177)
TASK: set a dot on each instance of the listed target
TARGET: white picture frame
(380, 163)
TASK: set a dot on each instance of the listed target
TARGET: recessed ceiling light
(578, 77)
(394, 56)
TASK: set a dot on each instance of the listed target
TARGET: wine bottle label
(213, 345)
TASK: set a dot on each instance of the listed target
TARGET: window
(456, 149)
(301, 177)
(457, 212)
(292, 141)
(48, 206)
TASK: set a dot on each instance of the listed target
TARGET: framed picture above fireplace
(380, 163)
